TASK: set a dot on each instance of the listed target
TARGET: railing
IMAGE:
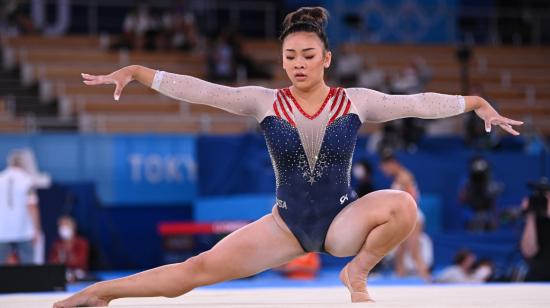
(99, 123)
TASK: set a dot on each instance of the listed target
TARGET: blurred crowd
(478, 194)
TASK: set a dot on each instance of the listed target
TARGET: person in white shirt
(19, 215)
(463, 271)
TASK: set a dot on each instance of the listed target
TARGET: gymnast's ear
(328, 59)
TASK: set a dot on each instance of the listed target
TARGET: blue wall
(127, 169)
(393, 21)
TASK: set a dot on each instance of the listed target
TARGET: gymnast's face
(305, 59)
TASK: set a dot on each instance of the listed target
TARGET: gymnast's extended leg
(368, 229)
(258, 246)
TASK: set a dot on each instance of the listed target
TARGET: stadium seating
(513, 78)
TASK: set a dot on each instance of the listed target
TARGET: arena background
(122, 169)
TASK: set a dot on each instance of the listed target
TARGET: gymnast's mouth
(300, 76)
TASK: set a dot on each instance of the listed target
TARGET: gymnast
(310, 129)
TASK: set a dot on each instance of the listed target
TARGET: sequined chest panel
(311, 152)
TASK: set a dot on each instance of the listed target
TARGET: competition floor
(269, 290)
(500, 295)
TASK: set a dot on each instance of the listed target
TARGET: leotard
(311, 154)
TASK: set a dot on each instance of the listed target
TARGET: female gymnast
(310, 129)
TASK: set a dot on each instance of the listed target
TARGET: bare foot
(356, 284)
(84, 298)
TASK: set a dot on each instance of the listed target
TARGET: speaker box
(32, 278)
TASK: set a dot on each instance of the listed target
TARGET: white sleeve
(251, 101)
(374, 106)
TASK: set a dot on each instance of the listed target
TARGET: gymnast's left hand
(491, 117)
(119, 78)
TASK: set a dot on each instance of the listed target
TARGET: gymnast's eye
(309, 57)
(289, 58)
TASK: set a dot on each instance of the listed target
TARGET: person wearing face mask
(70, 249)
(311, 129)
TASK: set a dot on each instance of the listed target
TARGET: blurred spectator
(371, 77)
(480, 193)
(305, 267)
(362, 172)
(535, 240)
(244, 62)
(14, 20)
(178, 29)
(465, 269)
(221, 59)
(140, 29)
(412, 79)
(404, 180)
(19, 215)
(70, 249)
(348, 66)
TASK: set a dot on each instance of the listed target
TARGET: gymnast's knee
(404, 208)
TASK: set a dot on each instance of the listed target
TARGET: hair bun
(315, 15)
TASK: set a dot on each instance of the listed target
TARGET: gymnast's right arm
(250, 101)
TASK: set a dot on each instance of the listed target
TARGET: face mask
(66, 232)
(358, 172)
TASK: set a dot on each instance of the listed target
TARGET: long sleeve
(250, 101)
(374, 106)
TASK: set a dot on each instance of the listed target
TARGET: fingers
(509, 129)
(118, 91)
(512, 122)
(93, 80)
(488, 126)
(504, 123)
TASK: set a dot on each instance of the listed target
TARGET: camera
(538, 202)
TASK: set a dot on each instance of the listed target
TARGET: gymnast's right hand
(119, 78)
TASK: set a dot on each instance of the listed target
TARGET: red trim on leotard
(288, 118)
(347, 107)
(276, 109)
(287, 102)
(343, 98)
(311, 117)
(335, 100)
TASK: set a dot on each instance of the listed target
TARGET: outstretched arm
(374, 106)
(251, 101)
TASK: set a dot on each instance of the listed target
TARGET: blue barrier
(227, 208)
(127, 169)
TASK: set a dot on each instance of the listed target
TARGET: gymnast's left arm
(374, 106)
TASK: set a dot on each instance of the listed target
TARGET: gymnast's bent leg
(256, 247)
(368, 229)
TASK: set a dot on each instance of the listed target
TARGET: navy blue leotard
(309, 197)
(311, 154)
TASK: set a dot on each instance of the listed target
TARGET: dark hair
(307, 19)
(461, 255)
(388, 157)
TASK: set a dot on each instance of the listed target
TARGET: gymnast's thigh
(256, 247)
(349, 229)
